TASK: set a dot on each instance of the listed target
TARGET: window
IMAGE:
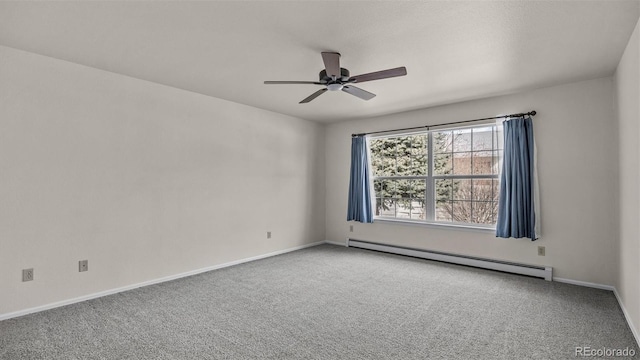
(441, 176)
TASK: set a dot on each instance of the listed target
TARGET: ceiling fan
(335, 78)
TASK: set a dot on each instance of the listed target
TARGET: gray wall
(627, 89)
(143, 180)
(576, 137)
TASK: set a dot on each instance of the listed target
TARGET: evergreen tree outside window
(438, 176)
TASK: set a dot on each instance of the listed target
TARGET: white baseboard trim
(628, 318)
(150, 282)
(335, 243)
(584, 283)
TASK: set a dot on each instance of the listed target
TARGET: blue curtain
(359, 188)
(516, 209)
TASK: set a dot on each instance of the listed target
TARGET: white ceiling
(453, 51)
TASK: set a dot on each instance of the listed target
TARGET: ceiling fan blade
(313, 96)
(293, 82)
(356, 91)
(332, 63)
(400, 71)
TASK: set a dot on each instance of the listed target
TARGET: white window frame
(430, 179)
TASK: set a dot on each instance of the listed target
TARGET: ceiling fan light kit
(335, 78)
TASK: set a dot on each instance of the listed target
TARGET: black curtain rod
(530, 113)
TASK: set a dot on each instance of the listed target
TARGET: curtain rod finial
(533, 113)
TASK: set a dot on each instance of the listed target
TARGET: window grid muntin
(430, 198)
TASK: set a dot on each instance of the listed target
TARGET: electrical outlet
(540, 250)
(83, 265)
(27, 275)
(268, 234)
(350, 228)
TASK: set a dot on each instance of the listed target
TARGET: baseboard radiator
(522, 269)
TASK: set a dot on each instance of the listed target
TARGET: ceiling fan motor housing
(344, 76)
